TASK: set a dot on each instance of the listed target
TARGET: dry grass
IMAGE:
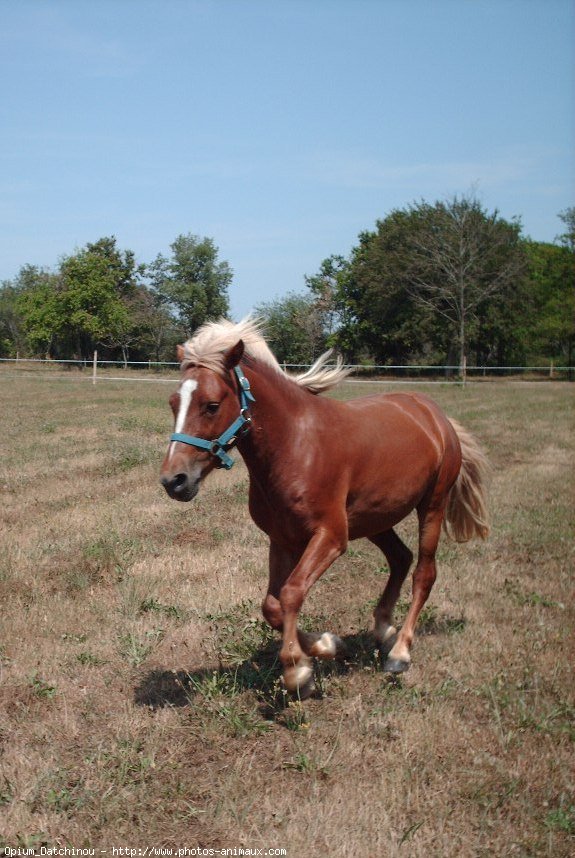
(139, 702)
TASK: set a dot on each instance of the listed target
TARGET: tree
(127, 327)
(568, 242)
(568, 238)
(159, 330)
(425, 281)
(192, 282)
(549, 324)
(458, 257)
(38, 307)
(98, 284)
(294, 328)
(329, 290)
(12, 339)
(378, 319)
(85, 303)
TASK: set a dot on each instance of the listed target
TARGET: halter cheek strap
(228, 439)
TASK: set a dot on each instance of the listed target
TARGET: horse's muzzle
(180, 487)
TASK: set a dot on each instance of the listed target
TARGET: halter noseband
(229, 438)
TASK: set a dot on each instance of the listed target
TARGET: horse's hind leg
(430, 519)
(399, 558)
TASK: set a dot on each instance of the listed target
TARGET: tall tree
(128, 325)
(98, 282)
(549, 324)
(328, 287)
(423, 282)
(193, 282)
(378, 319)
(86, 302)
(12, 338)
(159, 330)
(458, 257)
(39, 308)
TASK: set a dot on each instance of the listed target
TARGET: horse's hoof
(396, 665)
(299, 681)
(327, 646)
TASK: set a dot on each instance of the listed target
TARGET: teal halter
(229, 438)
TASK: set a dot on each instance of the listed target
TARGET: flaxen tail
(466, 514)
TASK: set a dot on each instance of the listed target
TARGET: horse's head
(209, 414)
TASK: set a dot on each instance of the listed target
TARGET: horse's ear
(180, 352)
(234, 355)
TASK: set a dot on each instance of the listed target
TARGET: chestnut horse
(323, 472)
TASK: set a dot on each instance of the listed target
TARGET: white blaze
(186, 392)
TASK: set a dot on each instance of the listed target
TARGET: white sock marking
(326, 646)
(186, 392)
(301, 675)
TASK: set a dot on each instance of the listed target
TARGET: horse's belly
(369, 523)
(367, 518)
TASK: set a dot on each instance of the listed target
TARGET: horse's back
(394, 448)
(400, 412)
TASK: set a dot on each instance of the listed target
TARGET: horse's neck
(277, 402)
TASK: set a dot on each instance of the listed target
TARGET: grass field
(139, 701)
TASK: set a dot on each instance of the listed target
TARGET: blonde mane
(207, 346)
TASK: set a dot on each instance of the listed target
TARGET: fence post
(551, 370)
(94, 367)
(464, 369)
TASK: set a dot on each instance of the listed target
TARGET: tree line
(433, 283)
(100, 298)
(438, 284)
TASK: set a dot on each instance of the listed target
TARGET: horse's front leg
(289, 585)
(324, 547)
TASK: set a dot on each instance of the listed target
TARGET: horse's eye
(212, 407)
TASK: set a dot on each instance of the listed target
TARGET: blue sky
(279, 128)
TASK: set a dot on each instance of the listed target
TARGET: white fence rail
(97, 370)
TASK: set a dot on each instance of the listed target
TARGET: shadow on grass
(260, 672)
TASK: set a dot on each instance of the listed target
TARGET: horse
(323, 472)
